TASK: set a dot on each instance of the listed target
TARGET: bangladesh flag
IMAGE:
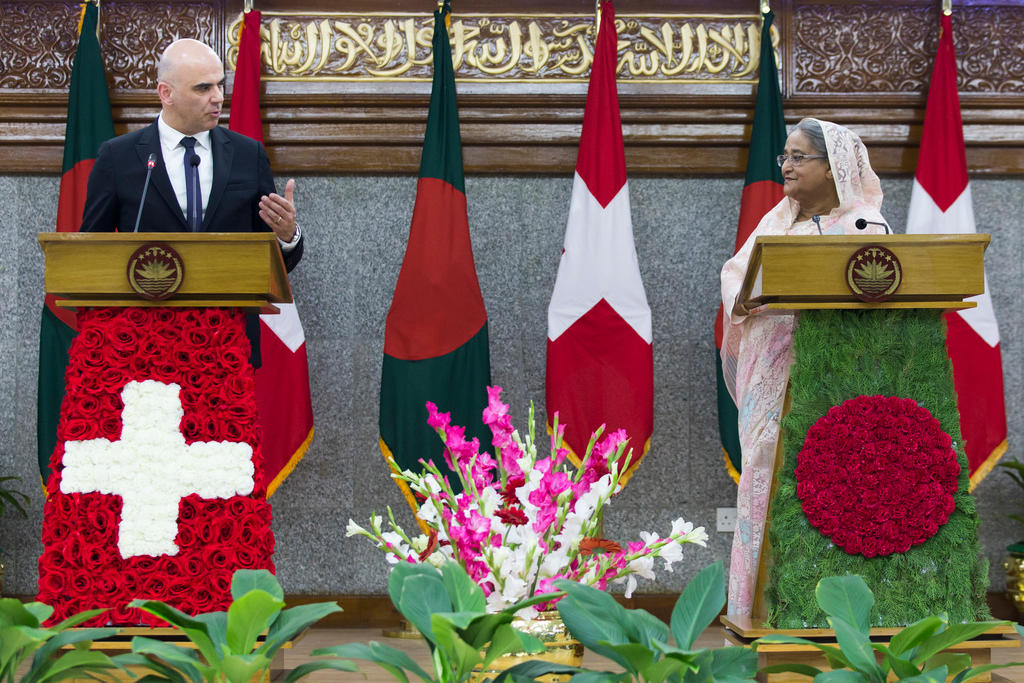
(762, 191)
(88, 124)
(435, 337)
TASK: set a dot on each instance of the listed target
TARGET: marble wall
(356, 229)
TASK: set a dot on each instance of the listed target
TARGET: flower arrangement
(523, 521)
(877, 475)
(125, 357)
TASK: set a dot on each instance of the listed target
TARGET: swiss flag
(600, 367)
(941, 203)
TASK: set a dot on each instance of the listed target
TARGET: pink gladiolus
(437, 421)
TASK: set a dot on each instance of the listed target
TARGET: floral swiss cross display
(157, 489)
(877, 475)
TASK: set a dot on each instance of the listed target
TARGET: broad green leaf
(932, 676)
(72, 621)
(183, 659)
(72, 664)
(848, 598)
(900, 666)
(856, 647)
(803, 669)
(241, 668)
(596, 634)
(385, 656)
(639, 656)
(293, 621)
(403, 572)
(53, 645)
(217, 629)
(162, 671)
(480, 632)
(536, 667)
(303, 670)
(914, 634)
(196, 630)
(659, 671)
(953, 662)
(730, 663)
(248, 617)
(953, 634)
(508, 640)
(16, 613)
(840, 676)
(246, 580)
(421, 597)
(698, 605)
(645, 628)
(968, 674)
(465, 594)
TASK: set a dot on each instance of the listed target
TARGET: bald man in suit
(206, 178)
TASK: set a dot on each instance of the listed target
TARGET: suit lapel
(223, 154)
(148, 144)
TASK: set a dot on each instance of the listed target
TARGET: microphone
(150, 163)
(861, 224)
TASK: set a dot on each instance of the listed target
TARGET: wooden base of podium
(122, 644)
(743, 631)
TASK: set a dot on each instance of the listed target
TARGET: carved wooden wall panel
(869, 49)
(862, 63)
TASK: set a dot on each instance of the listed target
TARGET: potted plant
(918, 653)
(451, 613)
(10, 499)
(1014, 563)
(523, 520)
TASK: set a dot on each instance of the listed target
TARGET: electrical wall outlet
(726, 520)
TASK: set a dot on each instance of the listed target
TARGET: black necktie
(193, 193)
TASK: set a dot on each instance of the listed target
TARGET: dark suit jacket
(241, 175)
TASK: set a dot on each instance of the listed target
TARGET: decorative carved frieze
(543, 47)
(851, 49)
(38, 40)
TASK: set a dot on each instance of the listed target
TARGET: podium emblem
(155, 271)
(873, 273)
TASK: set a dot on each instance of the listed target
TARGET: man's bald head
(190, 82)
(182, 52)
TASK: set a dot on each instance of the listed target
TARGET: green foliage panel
(840, 355)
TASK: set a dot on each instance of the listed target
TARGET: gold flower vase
(1014, 566)
(559, 646)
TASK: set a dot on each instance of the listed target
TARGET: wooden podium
(812, 276)
(156, 488)
(231, 270)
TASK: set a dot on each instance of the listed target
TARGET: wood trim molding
(836, 64)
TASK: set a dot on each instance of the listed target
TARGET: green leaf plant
(917, 654)
(227, 646)
(22, 634)
(640, 643)
(450, 611)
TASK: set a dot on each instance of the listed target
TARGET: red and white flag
(600, 367)
(941, 203)
(282, 382)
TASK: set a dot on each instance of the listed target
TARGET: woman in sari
(829, 185)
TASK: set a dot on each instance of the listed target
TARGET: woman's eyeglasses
(797, 159)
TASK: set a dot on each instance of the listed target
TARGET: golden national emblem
(873, 273)
(155, 271)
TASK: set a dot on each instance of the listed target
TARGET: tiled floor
(316, 638)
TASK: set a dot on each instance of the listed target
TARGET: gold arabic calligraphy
(538, 47)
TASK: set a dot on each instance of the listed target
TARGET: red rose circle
(877, 475)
